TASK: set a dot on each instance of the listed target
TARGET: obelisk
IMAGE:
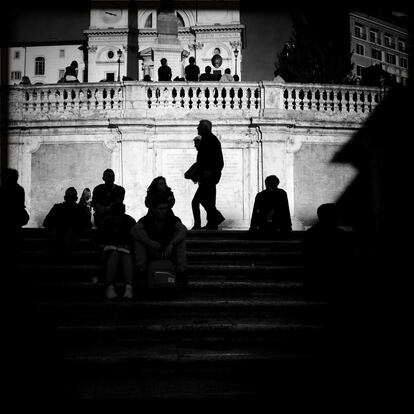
(167, 44)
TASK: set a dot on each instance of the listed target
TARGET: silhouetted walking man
(210, 163)
(271, 213)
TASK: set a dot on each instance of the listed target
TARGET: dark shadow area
(373, 321)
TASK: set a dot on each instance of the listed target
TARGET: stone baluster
(309, 100)
(207, 96)
(215, 96)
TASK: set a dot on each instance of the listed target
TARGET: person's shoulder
(98, 187)
(129, 218)
(145, 219)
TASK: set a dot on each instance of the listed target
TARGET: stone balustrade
(329, 98)
(178, 99)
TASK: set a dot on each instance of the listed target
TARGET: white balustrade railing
(330, 98)
(146, 98)
(204, 96)
(71, 98)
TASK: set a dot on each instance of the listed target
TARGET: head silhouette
(204, 127)
(191, 60)
(327, 214)
(159, 207)
(108, 176)
(163, 61)
(9, 177)
(228, 71)
(158, 184)
(86, 193)
(208, 69)
(271, 182)
(71, 195)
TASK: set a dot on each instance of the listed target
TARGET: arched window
(148, 22)
(180, 20)
(39, 66)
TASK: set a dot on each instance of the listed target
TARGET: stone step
(88, 291)
(172, 374)
(33, 233)
(164, 307)
(195, 245)
(212, 257)
(92, 272)
(185, 331)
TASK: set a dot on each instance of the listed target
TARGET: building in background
(378, 42)
(125, 41)
(44, 62)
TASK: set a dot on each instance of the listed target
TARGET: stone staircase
(243, 329)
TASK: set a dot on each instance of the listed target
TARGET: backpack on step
(161, 274)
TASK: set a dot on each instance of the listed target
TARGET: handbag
(161, 274)
(193, 173)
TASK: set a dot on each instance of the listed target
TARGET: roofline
(378, 21)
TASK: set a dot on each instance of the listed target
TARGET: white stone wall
(61, 137)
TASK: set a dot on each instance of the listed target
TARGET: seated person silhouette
(160, 235)
(327, 253)
(65, 221)
(114, 238)
(158, 187)
(104, 195)
(271, 215)
(86, 199)
(207, 76)
(13, 214)
(164, 71)
(71, 72)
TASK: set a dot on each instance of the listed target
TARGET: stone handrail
(204, 95)
(328, 98)
(152, 99)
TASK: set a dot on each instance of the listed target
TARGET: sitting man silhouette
(105, 194)
(327, 253)
(116, 242)
(161, 235)
(271, 215)
(65, 221)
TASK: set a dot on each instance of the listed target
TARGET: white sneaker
(110, 292)
(129, 292)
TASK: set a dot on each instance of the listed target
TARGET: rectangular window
(16, 75)
(360, 49)
(359, 70)
(376, 54)
(390, 58)
(358, 31)
(61, 73)
(61, 53)
(374, 37)
(110, 77)
(401, 46)
(17, 54)
(40, 66)
(403, 62)
(387, 40)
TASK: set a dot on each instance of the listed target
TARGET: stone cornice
(106, 32)
(219, 28)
